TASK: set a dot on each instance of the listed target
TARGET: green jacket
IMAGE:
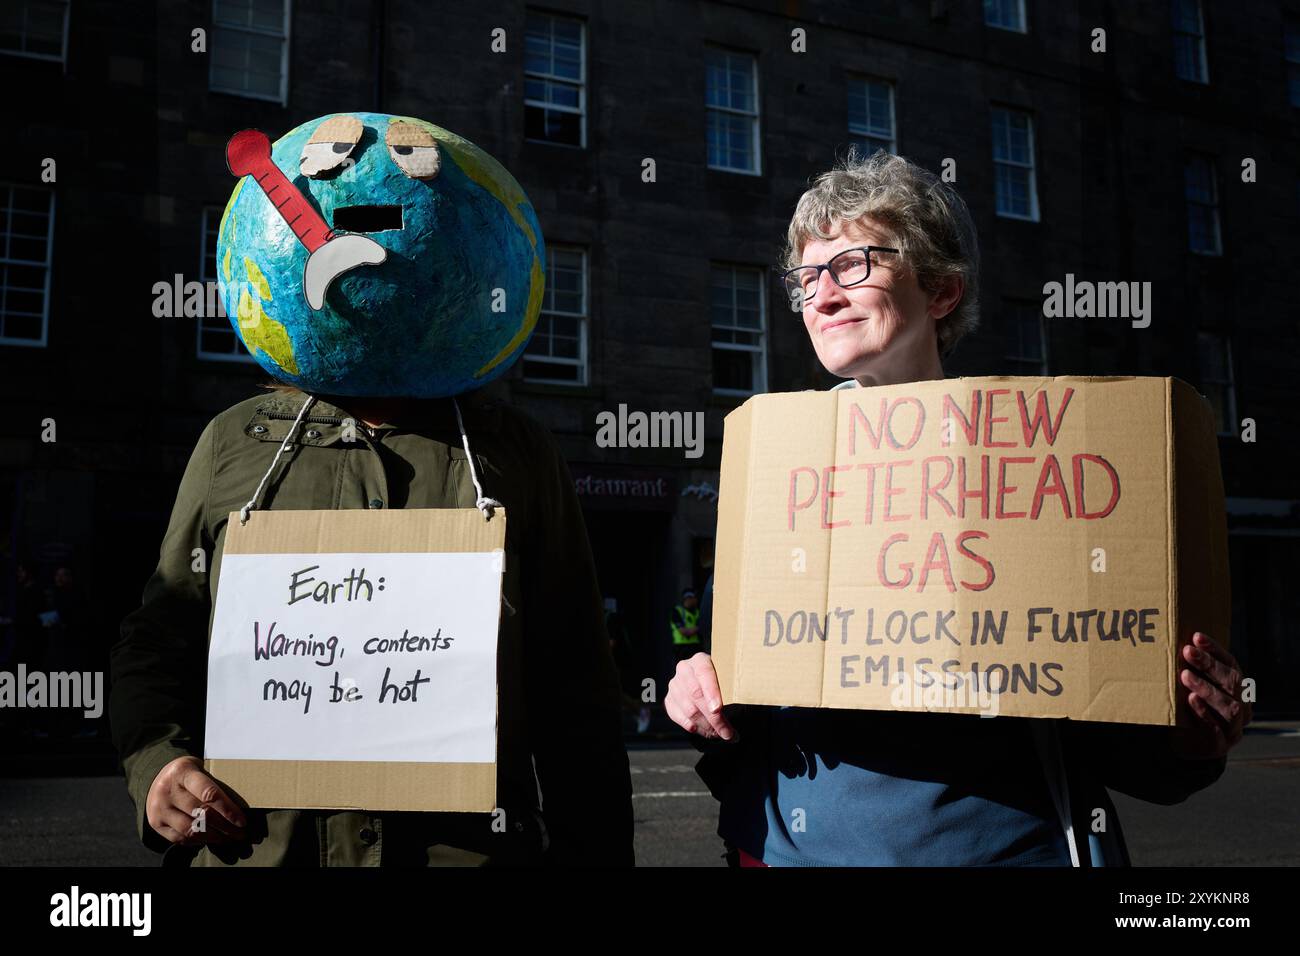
(558, 693)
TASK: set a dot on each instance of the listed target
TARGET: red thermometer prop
(329, 255)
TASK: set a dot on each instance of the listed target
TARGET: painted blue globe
(378, 255)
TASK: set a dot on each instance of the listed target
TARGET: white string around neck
(288, 437)
(483, 504)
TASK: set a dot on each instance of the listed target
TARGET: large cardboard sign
(353, 659)
(1037, 547)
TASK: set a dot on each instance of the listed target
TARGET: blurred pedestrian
(684, 626)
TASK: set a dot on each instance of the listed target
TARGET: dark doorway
(630, 548)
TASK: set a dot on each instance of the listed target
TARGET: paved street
(1248, 817)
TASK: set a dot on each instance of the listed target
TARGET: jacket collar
(326, 420)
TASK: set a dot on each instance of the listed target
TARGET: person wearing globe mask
(364, 281)
(884, 262)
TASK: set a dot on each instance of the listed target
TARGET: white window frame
(1198, 39)
(1022, 25)
(863, 132)
(1229, 384)
(242, 353)
(581, 84)
(1212, 205)
(50, 57)
(584, 322)
(760, 377)
(48, 265)
(1032, 165)
(213, 86)
(754, 127)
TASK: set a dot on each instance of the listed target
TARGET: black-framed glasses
(848, 267)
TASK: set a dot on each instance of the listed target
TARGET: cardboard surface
(402, 781)
(1088, 545)
(413, 149)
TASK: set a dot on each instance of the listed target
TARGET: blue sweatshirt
(882, 788)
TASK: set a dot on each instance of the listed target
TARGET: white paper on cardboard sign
(349, 656)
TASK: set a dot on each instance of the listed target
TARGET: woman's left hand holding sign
(1213, 682)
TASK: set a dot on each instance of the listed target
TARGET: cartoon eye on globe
(369, 254)
(414, 150)
(330, 145)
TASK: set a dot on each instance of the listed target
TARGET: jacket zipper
(320, 420)
(315, 419)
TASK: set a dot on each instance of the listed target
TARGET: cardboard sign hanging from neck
(353, 659)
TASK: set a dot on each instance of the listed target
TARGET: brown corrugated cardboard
(1024, 546)
(350, 784)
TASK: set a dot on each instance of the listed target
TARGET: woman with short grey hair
(925, 218)
(882, 263)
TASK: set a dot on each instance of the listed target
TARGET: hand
(180, 788)
(694, 701)
(1213, 685)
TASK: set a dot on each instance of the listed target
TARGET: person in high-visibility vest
(685, 626)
